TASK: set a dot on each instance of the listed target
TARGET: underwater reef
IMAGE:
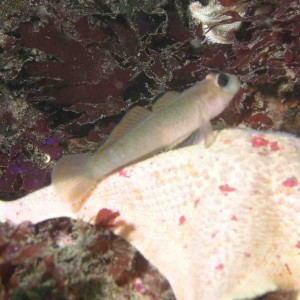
(69, 70)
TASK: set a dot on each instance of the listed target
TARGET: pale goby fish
(175, 118)
(220, 223)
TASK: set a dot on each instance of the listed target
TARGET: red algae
(106, 218)
(60, 269)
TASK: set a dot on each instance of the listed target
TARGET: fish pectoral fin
(72, 179)
(205, 132)
(193, 138)
(131, 119)
(209, 134)
(164, 100)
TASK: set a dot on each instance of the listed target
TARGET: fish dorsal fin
(131, 119)
(165, 100)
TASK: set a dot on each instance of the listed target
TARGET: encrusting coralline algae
(219, 223)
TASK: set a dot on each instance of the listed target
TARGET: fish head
(220, 90)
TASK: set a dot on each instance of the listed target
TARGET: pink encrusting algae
(219, 222)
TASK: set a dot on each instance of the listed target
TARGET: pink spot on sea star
(196, 202)
(226, 188)
(259, 141)
(182, 220)
(290, 182)
(220, 267)
(213, 235)
(233, 218)
(288, 268)
(123, 173)
(274, 146)
(263, 153)
(298, 245)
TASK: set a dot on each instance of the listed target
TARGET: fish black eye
(223, 79)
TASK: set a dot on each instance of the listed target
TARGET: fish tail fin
(73, 180)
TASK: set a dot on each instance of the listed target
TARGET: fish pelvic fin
(205, 133)
(195, 137)
(209, 134)
(72, 179)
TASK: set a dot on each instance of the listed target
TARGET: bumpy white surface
(220, 223)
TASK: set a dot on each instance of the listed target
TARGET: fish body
(143, 133)
(220, 223)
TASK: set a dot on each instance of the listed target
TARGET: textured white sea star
(219, 222)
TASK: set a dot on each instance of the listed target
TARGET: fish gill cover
(69, 70)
